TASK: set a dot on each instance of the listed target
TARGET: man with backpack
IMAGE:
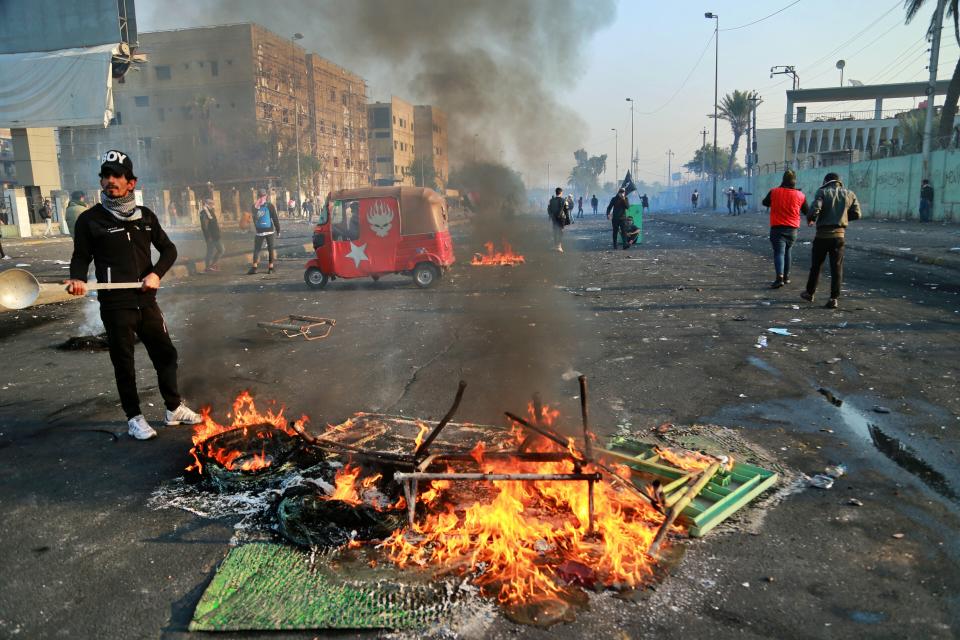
(617, 214)
(559, 211)
(266, 226)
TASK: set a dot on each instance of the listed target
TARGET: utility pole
(716, 85)
(703, 154)
(932, 87)
(632, 168)
(296, 110)
(669, 168)
(616, 153)
(755, 101)
(548, 178)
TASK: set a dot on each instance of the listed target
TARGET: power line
(750, 24)
(685, 80)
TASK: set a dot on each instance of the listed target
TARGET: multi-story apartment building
(391, 142)
(430, 141)
(220, 104)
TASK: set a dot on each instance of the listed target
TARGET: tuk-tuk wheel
(425, 275)
(315, 278)
(375, 278)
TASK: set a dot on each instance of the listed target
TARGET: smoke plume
(498, 68)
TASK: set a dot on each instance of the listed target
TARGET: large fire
(244, 416)
(494, 258)
(529, 537)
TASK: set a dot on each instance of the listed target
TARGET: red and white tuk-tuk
(374, 231)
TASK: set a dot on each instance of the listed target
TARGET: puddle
(906, 458)
(765, 366)
(902, 455)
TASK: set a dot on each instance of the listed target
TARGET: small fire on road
(493, 258)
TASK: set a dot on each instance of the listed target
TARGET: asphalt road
(670, 336)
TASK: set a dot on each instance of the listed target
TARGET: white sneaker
(7, 258)
(559, 248)
(182, 415)
(139, 428)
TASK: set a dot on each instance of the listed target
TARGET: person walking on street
(926, 201)
(46, 214)
(644, 204)
(559, 211)
(117, 236)
(210, 226)
(76, 206)
(786, 203)
(266, 225)
(695, 199)
(308, 209)
(594, 203)
(834, 206)
(617, 215)
(580, 207)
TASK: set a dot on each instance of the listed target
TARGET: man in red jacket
(786, 203)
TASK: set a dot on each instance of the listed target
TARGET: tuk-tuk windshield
(345, 216)
(324, 213)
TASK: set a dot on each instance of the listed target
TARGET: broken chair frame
(295, 326)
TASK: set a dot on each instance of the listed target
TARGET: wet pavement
(667, 332)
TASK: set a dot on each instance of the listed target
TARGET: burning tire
(426, 275)
(315, 278)
(246, 459)
(314, 520)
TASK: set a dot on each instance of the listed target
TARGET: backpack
(555, 207)
(261, 218)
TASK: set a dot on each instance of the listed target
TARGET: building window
(383, 159)
(381, 118)
(333, 95)
(141, 101)
(214, 68)
(381, 134)
(162, 71)
(116, 119)
(286, 116)
(343, 99)
(396, 145)
(323, 127)
(333, 129)
(336, 162)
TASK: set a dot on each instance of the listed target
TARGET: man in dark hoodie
(617, 215)
(117, 236)
(834, 206)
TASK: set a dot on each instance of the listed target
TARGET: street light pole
(616, 154)
(296, 112)
(703, 154)
(633, 168)
(716, 85)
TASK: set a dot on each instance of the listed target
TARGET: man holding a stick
(117, 235)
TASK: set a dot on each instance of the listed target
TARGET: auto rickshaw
(374, 231)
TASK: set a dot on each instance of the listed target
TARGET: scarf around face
(123, 208)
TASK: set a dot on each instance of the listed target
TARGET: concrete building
(430, 141)
(813, 140)
(391, 142)
(219, 105)
(8, 174)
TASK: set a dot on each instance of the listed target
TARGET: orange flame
(346, 485)
(518, 547)
(494, 258)
(689, 460)
(244, 416)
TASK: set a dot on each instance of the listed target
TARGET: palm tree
(949, 112)
(735, 109)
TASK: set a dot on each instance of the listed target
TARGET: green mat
(276, 587)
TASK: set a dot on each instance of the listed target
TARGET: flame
(346, 485)
(244, 415)
(516, 540)
(423, 432)
(493, 258)
(690, 460)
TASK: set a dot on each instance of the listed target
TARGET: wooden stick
(680, 505)
(443, 422)
(324, 443)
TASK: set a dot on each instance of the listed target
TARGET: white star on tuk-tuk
(358, 254)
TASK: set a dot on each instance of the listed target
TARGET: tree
(735, 108)
(423, 172)
(727, 166)
(911, 130)
(584, 176)
(949, 111)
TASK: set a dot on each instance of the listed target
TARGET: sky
(661, 54)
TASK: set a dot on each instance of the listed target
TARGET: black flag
(628, 184)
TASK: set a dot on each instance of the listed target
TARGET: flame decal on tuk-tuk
(380, 218)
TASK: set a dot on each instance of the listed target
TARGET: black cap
(114, 161)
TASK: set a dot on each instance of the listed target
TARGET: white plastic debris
(780, 331)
